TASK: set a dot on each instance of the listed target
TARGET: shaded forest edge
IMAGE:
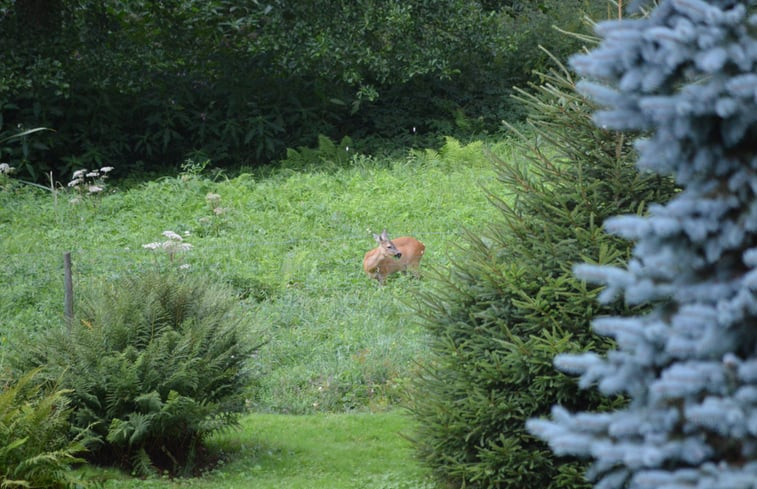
(144, 86)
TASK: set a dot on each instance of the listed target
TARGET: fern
(34, 447)
(328, 154)
(156, 362)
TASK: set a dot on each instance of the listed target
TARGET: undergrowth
(35, 448)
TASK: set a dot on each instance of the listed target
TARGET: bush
(510, 303)
(155, 362)
(35, 450)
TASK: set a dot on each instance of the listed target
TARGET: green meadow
(325, 409)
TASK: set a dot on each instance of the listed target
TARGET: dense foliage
(155, 362)
(510, 302)
(687, 75)
(35, 448)
(142, 85)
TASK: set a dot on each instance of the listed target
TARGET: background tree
(143, 85)
(510, 302)
(689, 366)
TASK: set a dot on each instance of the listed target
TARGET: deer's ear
(377, 238)
(384, 236)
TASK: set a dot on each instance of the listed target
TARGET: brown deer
(393, 255)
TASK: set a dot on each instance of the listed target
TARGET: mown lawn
(319, 451)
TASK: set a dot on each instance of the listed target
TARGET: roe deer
(393, 255)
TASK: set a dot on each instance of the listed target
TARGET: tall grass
(291, 243)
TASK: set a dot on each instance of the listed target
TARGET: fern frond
(141, 464)
(34, 447)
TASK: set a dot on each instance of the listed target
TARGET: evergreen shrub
(688, 363)
(155, 363)
(35, 449)
(509, 302)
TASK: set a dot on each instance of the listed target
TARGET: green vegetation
(35, 448)
(155, 362)
(142, 85)
(322, 451)
(226, 293)
(289, 243)
(504, 310)
(224, 286)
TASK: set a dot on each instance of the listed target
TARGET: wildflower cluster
(6, 169)
(5, 172)
(91, 182)
(173, 245)
(214, 200)
(212, 224)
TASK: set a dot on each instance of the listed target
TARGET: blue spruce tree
(685, 74)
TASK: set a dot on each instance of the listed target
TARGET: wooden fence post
(68, 292)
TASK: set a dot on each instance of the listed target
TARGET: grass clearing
(329, 451)
(290, 242)
(339, 347)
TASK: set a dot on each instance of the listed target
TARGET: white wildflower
(6, 169)
(106, 169)
(93, 174)
(79, 173)
(174, 247)
(172, 235)
(211, 197)
(93, 189)
(184, 266)
(171, 246)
